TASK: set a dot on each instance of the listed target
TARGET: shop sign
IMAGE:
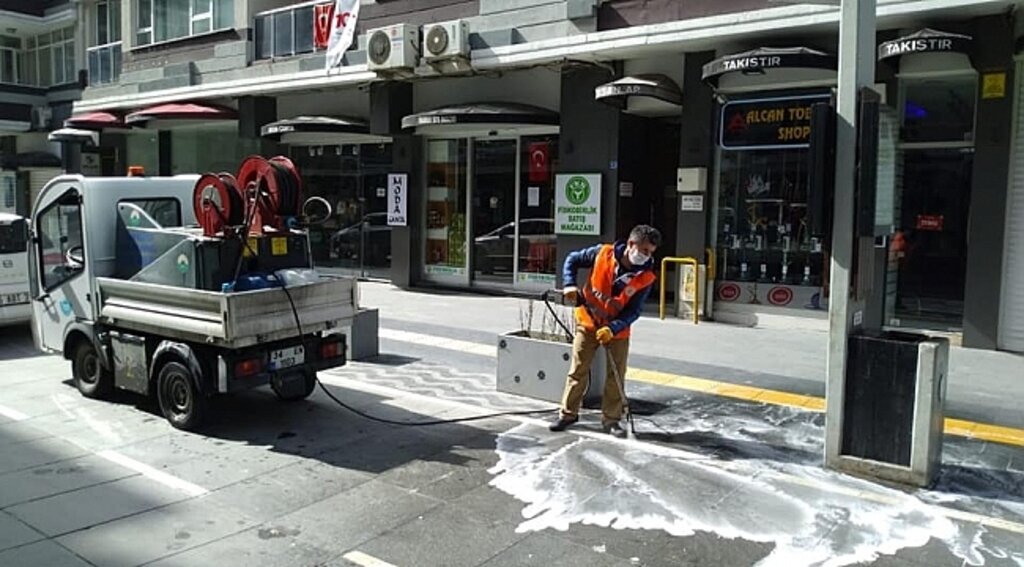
(779, 295)
(925, 41)
(445, 271)
(398, 198)
(932, 223)
(546, 279)
(767, 123)
(692, 203)
(578, 204)
(993, 85)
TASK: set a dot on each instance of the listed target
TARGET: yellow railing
(696, 284)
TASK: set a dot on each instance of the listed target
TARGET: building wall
(994, 40)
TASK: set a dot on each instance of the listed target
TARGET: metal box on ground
(536, 368)
(893, 407)
(364, 334)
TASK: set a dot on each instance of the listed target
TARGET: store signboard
(578, 203)
(398, 199)
(769, 123)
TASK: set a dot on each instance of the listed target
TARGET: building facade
(41, 75)
(527, 128)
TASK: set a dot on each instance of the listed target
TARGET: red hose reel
(266, 193)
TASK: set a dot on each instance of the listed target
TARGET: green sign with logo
(578, 203)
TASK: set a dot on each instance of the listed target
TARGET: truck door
(61, 278)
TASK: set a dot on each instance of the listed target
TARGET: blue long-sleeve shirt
(586, 257)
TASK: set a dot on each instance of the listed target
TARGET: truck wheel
(90, 377)
(292, 392)
(180, 401)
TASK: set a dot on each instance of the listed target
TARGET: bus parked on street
(14, 297)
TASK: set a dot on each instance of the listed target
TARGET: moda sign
(578, 204)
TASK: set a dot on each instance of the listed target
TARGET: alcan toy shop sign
(767, 123)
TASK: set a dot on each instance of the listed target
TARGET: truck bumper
(227, 382)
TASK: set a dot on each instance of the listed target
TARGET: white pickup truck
(137, 298)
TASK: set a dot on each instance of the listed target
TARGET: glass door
(493, 212)
(446, 254)
(538, 253)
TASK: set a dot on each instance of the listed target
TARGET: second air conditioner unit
(445, 41)
(393, 48)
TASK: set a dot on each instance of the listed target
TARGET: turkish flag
(540, 167)
(323, 14)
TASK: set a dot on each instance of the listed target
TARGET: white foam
(812, 516)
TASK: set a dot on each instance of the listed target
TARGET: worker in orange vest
(621, 278)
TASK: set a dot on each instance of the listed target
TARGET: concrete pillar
(253, 113)
(696, 149)
(389, 103)
(993, 54)
(589, 143)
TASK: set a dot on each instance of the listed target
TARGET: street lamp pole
(856, 71)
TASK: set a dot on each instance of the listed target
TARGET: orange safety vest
(601, 307)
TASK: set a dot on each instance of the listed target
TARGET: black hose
(364, 415)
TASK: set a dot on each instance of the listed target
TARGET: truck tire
(180, 400)
(90, 377)
(292, 394)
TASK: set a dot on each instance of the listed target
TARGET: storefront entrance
(929, 250)
(499, 192)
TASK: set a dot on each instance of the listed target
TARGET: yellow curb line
(958, 427)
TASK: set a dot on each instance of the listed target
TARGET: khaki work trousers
(584, 347)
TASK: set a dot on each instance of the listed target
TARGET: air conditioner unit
(41, 117)
(445, 41)
(393, 48)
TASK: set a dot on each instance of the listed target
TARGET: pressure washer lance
(557, 296)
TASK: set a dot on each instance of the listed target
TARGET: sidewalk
(984, 386)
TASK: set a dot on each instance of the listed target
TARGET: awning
(175, 111)
(321, 130)
(925, 41)
(656, 86)
(99, 120)
(75, 136)
(486, 116)
(757, 61)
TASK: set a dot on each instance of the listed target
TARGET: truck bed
(230, 320)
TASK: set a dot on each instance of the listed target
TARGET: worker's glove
(571, 295)
(604, 335)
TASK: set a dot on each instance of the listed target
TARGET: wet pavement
(710, 481)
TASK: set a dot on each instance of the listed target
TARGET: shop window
(537, 242)
(939, 109)
(197, 149)
(446, 252)
(356, 239)
(143, 150)
(765, 252)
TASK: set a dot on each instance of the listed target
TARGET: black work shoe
(562, 423)
(614, 429)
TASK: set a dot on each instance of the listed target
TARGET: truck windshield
(13, 237)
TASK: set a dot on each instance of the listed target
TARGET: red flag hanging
(540, 170)
(323, 14)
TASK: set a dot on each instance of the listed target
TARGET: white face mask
(637, 258)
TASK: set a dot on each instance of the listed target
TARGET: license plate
(13, 298)
(287, 357)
